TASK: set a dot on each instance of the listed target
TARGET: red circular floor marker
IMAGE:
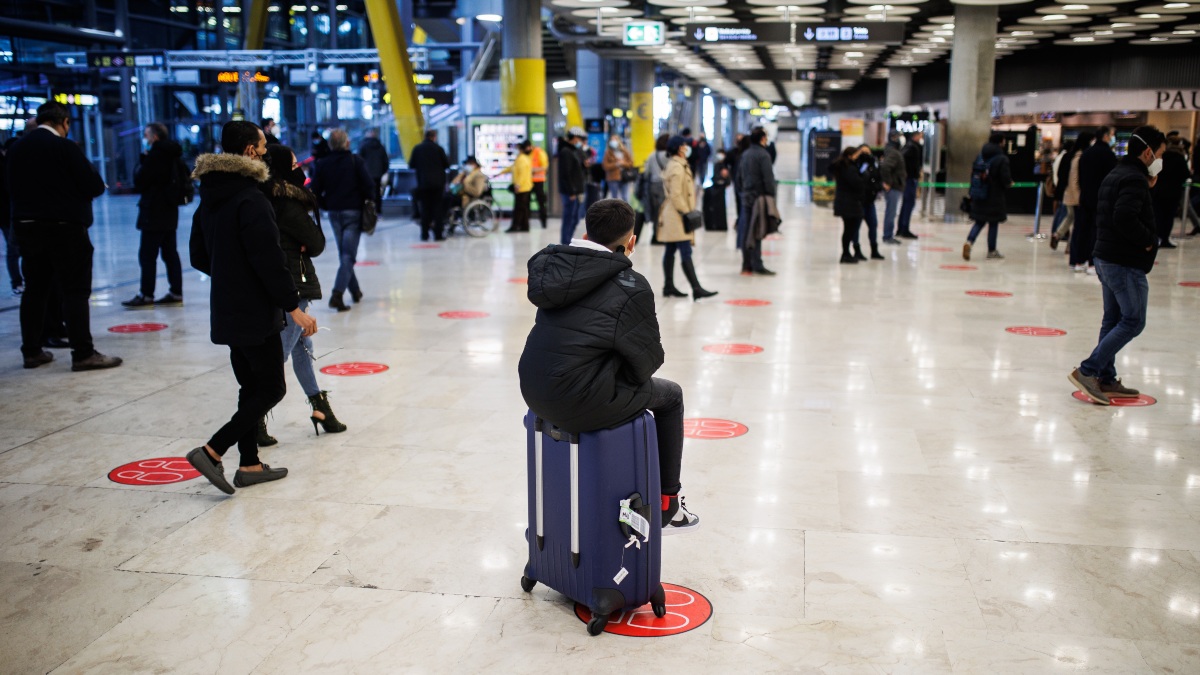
(711, 428)
(1036, 331)
(1189, 284)
(770, 253)
(354, 368)
(464, 315)
(936, 249)
(138, 328)
(426, 245)
(748, 302)
(158, 471)
(367, 263)
(686, 610)
(735, 349)
(990, 294)
(1120, 401)
(519, 280)
(960, 268)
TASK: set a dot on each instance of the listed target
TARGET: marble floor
(918, 492)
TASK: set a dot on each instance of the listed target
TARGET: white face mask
(1155, 166)
(614, 144)
(687, 151)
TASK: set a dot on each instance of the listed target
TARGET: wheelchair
(477, 218)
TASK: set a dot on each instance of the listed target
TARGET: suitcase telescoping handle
(540, 427)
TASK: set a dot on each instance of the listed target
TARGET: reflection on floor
(918, 491)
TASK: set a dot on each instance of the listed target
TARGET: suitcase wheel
(597, 624)
(659, 610)
(527, 584)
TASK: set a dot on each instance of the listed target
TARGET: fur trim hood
(228, 163)
(283, 189)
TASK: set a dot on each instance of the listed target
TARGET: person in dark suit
(162, 182)
(52, 186)
(429, 160)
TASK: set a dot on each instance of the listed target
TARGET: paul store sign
(1178, 99)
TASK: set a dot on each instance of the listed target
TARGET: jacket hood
(284, 190)
(170, 147)
(560, 275)
(234, 164)
(990, 150)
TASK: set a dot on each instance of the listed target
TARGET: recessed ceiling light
(1019, 33)
(937, 39)
(854, 55)
(948, 26)
(1084, 38)
(1158, 39)
(943, 32)
(920, 50)
(1075, 8)
(1177, 5)
(1183, 32)
(494, 18)
(1152, 16)
(882, 8)
(1103, 32)
(1054, 17)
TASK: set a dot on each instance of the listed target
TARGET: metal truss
(241, 59)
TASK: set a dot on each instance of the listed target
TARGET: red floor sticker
(464, 315)
(158, 471)
(1188, 284)
(138, 328)
(990, 294)
(770, 253)
(711, 428)
(686, 610)
(426, 245)
(354, 368)
(748, 302)
(1121, 402)
(1036, 331)
(960, 268)
(738, 349)
(519, 280)
(936, 249)
(367, 263)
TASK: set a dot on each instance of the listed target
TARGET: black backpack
(182, 187)
(980, 178)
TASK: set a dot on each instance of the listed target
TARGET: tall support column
(389, 34)
(641, 102)
(972, 83)
(696, 121)
(522, 68)
(255, 32)
(718, 140)
(899, 87)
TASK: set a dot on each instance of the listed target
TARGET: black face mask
(296, 177)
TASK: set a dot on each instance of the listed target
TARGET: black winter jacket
(755, 175)
(849, 191)
(50, 179)
(235, 241)
(429, 160)
(1094, 165)
(1168, 191)
(914, 158)
(571, 177)
(158, 209)
(296, 230)
(994, 209)
(341, 182)
(1125, 217)
(595, 342)
(375, 156)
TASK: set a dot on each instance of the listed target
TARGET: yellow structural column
(256, 24)
(641, 103)
(574, 111)
(388, 32)
(522, 69)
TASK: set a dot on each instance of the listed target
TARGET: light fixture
(493, 18)
(1158, 39)
(920, 50)
(1103, 32)
(460, 21)
(948, 26)
(1019, 33)
(1183, 32)
(564, 84)
(1075, 8)
(1084, 38)
(1054, 17)
(854, 55)
(1152, 16)
(1177, 5)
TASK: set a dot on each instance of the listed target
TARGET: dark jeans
(666, 402)
(891, 200)
(570, 217)
(751, 248)
(1164, 220)
(347, 230)
(433, 217)
(993, 231)
(1060, 214)
(539, 193)
(520, 215)
(152, 244)
(12, 255)
(1126, 295)
(259, 372)
(684, 248)
(907, 206)
(872, 220)
(62, 254)
(1083, 235)
(850, 225)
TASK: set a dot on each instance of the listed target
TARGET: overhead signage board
(330, 76)
(434, 77)
(186, 76)
(234, 76)
(644, 33)
(826, 75)
(876, 32)
(744, 33)
(125, 59)
(435, 97)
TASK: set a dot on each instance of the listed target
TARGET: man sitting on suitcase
(589, 359)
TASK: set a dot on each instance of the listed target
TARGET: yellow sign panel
(851, 127)
(641, 128)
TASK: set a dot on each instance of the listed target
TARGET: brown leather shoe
(96, 361)
(39, 360)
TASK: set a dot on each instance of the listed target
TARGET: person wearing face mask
(680, 191)
(522, 181)
(755, 178)
(1094, 165)
(572, 181)
(1126, 244)
(616, 161)
(163, 181)
(52, 184)
(989, 200)
(590, 359)
(301, 239)
(849, 194)
(1168, 190)
(342, 184)
(235, 241)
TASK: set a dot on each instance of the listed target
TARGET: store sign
(76, 99)
(1178, 99)
(125, 59)
(234, 76)
(644, 33)
(826, 75)
(909, 122)
(435, 97)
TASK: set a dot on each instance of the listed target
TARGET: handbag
(692, 221)
(369, 217)
(629, 174)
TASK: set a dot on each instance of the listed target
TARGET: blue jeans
(906, 209)
(891, 200)
(872, 220)
(1126, 295)
(347, 230)
(617, 190)
(570, 217)
(300, 349)
(1059, 216)
(993, 230)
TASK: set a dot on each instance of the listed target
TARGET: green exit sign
(644, 33)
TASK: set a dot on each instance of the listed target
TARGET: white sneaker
(1091, 270)
(1079, 268)
(683, 521)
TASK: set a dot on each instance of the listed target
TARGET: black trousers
(539, 193)
(432, 212)
(666, 402)
(520, 215)
(1164, 220)
(1083, 235)
(850, 227)
(56, 253)
(259, 372)
(154, 243)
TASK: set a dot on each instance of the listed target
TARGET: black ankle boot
(320, 403)
(875, 252)
(698, 292)
(669, 290)
(264, 439)
(858, 252)
(848, 258)
(336, 302)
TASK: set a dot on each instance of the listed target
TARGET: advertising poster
(493, 141)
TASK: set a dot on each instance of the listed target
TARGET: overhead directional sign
(125, 59)
(644, 33)
(775, 33)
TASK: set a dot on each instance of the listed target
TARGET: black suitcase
(714, 208)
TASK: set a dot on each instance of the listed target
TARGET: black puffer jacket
(341, 182)
(994, 207)
(1125, 217)
(849, 191)
(158, 209)
(235, 241)
(1094, 165)
(297, 230)
(595, 343)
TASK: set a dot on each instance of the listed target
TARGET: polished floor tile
(916, 491)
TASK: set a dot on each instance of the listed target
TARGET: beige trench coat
(681, 198)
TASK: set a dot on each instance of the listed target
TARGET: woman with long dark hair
(848, 201)
(680, 191)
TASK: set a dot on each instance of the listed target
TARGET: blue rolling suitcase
(595, 516)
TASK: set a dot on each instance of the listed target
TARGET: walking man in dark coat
(429, 160)
(989, 201)
(376, 157)
(163, 182)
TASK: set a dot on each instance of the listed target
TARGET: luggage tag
(634, 520)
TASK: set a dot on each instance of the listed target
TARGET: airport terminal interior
(891, 470)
